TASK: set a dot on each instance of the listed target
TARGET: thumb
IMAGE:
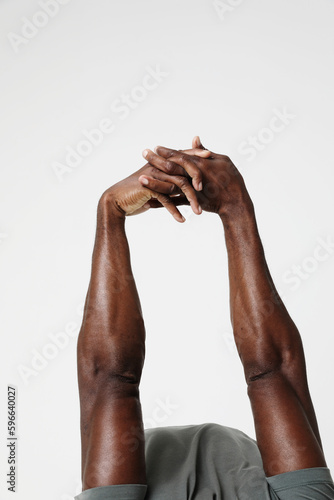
(196, 143)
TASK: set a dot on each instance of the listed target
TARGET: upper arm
(285, 424)
(112, 434)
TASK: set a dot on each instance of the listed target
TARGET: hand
(131, 197)
(223, 186)
(168, 177)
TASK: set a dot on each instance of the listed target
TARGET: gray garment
(212, 462)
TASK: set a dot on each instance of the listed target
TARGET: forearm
(111, 350)
(267, 339)
(260, 320)
(112, 336)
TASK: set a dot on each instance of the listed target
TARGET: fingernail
(200, 186)
(183, 219)
(200, 209)
(156, 148)
(144, 180)
(147, 205)
(145, 153)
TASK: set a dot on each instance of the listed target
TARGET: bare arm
(272, 354)
(111, 350)
(267, 339)
(111, 343)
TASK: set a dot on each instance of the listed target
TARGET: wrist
(109, 213)
(242, 209)
(240, 228)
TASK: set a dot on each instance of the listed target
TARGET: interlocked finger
(189, 163)
(161, 186)
(202, 153)
(167, 202)
(165, 166)
(168, 184)
(176, 200)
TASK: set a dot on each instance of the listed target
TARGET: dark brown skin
(111, 344)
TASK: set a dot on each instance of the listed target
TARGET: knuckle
(169, 165)
(196, 163)
(183, 183)
(199, 174)
(194, 159)
(183, 159)
(153, 170)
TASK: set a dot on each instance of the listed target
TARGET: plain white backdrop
(255, 80)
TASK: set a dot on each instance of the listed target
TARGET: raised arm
(111, 343)
(271, 351)
(267, 339)
(111, 351)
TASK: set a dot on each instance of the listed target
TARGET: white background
(227, 74)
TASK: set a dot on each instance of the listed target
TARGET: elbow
(118, 358)
(115, 367)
